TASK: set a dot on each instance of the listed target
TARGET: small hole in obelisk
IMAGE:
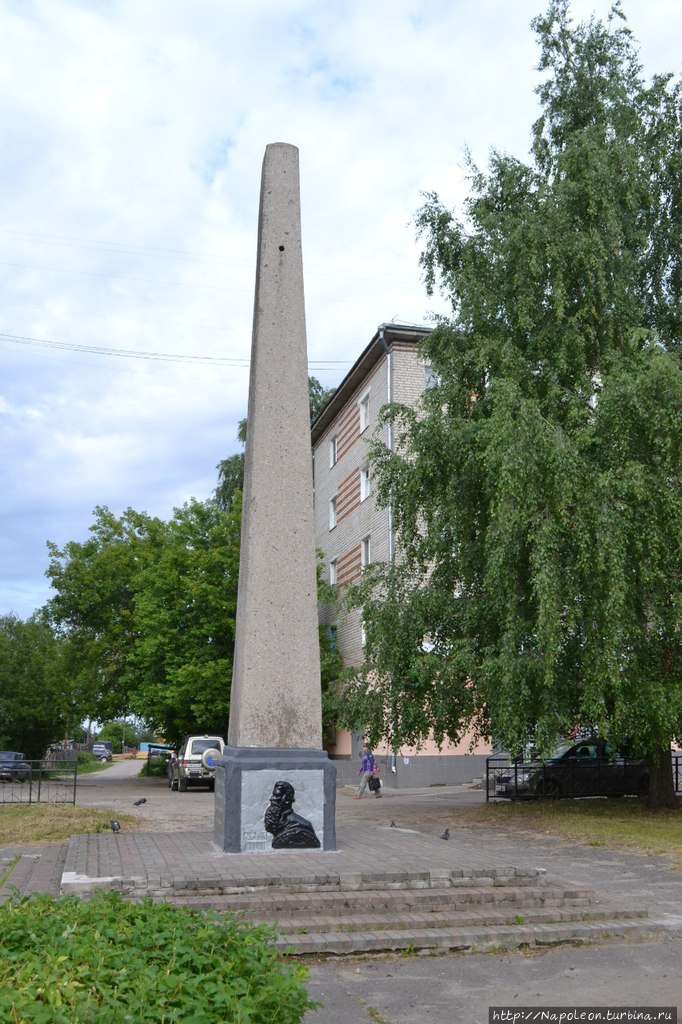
(281, 248)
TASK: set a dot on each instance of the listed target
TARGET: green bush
(85, 757)
(71, 961)
(156, 766)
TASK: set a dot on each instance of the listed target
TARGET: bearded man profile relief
(288, 829)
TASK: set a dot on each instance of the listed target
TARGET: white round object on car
(208, 757)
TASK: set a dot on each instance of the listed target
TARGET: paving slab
(148, 862)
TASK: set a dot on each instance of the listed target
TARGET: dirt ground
(120, 785)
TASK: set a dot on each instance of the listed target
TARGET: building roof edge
(385, 333)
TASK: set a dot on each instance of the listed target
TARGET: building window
(334, 571)
(365, 486)
(365, 551)
(333, 451)
(332, 513)
(430, 376)
(364, 411)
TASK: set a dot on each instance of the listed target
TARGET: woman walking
(365, 771)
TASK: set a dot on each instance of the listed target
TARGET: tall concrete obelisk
(275, 733)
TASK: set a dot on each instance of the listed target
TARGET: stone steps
(347, 882)
(32, 872)
(422, 911)
(392, 900)
(484, 938)
(300, 924)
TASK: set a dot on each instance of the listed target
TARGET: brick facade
(389, 370)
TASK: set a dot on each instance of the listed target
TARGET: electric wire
(178, 357)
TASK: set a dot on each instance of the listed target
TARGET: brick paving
(32, 870)
(149, 861)
(368, 890)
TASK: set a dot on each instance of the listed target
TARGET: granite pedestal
(245, 779)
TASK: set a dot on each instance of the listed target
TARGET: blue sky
(132, 134)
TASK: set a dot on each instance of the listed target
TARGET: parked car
(102, 751)
(195, 762)
(13, 767)
(590, 767)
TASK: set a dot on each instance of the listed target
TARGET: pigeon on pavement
(115, 826)
(446, 834)
(142, 800)
(393, 825)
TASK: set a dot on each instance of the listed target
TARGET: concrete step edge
(255, 888)
(469, 939)
(275, 901)
(302, 925)
(18, 875)
(35, 872)
(361, 881)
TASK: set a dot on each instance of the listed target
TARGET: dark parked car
(102, 751)
(587, 768)
(13, 767)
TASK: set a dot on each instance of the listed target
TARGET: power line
(132, 249)
(100, 350)
(124, 248)
(188, 326)
(119, 277)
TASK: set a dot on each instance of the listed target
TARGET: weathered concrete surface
(459, 989)
(276, 697)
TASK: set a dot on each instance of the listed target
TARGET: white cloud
(132, 137)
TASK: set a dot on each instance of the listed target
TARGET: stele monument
(275, 786)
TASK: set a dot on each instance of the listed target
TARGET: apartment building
(352, 531)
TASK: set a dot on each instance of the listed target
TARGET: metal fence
(518, 780)
(45, 783)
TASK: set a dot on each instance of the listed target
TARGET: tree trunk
(661, 795)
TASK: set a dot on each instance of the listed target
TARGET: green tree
(231, 472)
(120, 733)
(36, 702)
(318, 396)
(185, 609)
(331, 663)
(535, 492)
(146, 609)
(146, 612)
(94, 605)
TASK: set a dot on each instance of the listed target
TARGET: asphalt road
(455, 989)
(120, 784)
(459, 989)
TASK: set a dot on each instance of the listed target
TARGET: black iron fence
(39, 782)
(525, 780)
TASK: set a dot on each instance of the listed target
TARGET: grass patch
(28, 824)
(92, 766)
(618, 824)
(376, 1016)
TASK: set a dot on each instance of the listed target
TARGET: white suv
(195, 762)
